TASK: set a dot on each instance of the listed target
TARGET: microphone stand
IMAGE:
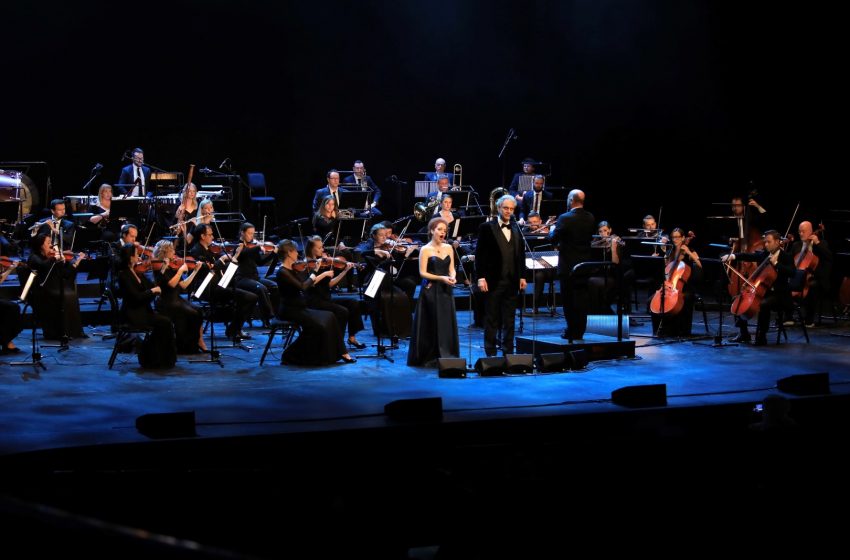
(95, 175)
(527, 248)
(511, 136)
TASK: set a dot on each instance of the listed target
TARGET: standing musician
(187, 319)
(572, 234)
(55, 289)
(396, 294)
(243, 299)
(360, 179)
(318, 295)
(533, 200)
(60, 230)
(819, 279)
(603, 289)
(679, 323)
(137, 174)
(499, 264)
(779, 294)
(250, 255)
(10, 314)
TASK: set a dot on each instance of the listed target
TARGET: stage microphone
(224, 163)
(97, 167)
(126, 155)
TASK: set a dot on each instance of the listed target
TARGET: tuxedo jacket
(528, 200)
(488, 257)
(128, 177)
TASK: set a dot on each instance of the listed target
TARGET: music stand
(468, 225)
(460, 198)
(354, 199)
(354, 228)
(552, 208)
(126, 209)
(35, 360)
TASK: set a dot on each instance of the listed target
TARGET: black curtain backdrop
(642, 104)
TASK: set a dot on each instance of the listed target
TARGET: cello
(748, 302)
(750, 241)
(668, 299)
(805, 263)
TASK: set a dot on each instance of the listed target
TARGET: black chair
(796, 307)
(124, 330)
(287, 330)
(261, 201)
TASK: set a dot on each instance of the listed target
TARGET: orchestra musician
(320, 341)
(331, 189)
(779, 294)
(499, 264)
(361, 179)
(187, 209)
(205, 216)
(10, 314)
(137, 174)
(679, 324)
(603, 289)
(443, 185)
(100, 211)
(439, 172)
(396, 294)
(535, 227)
(749, 221)
(244, 301)
(250, 255)
(446, 210)
(55, 289)
(187, 319)
(532, 201)
(572, 234)
(819, 280)
(527, 170)
(326, 218)
(137, 293)
(60, 229)
(346, 310)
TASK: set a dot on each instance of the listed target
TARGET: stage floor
(78, 401)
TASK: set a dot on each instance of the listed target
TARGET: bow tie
(506, 225)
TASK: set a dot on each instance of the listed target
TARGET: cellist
(779, 293)
(679, 323)
(748, 220)
(818, 279)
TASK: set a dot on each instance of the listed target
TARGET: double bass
(751, 241)
(668, 299)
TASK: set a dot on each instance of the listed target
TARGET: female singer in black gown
(137, 293)
(435, 321)
(188, 323)
(55, 291)
(320, 341)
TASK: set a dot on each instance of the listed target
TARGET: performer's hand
(156, 290)
(482, 284)
(449, 280)
(522, 283)
(726, 258)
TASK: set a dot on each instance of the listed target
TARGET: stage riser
(594, 350)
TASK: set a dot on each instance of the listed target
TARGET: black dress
(435, 321)
(136, 296)
(186, 318)
(320, 342)
(55, 282)
(346, 310)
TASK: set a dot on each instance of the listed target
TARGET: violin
(143, 252)
(9, 262)
(265, 247)
(69, 256)
(325, 262)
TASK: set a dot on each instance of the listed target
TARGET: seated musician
(679, 324)
(250, 255)
(320, 341)
(396, 294)
(187, 320)
(60, 229)
(137, 292)
(186, 210)
(55, 300)
(244, 300)
(326, 218)
(534, 227)
(447, 211)
(603, 289)
(818, 281)
(318, 295)
(331, 189)
(439, 172)
(533, 200)
(10, 315)
(527, 170)
(443, 186)
(360, 179)
(205, 216)
(779, 294)
(100, 211)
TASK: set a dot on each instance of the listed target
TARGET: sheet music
(202, 288)
(228, 275)
(375, 284)
(455, 228)
(538, 264)
(27, 286)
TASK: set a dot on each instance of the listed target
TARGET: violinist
(55, 289)
(10, 314)
(320, 341)
(818, 280)
(542, 276)
(137, 293)
(532, 201)
(318, 295)
(779, 293)
(396, 294)
(679, 324)
(187, 319)
(603, 289)
(244, 301)
(250, 255)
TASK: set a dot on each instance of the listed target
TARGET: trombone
(457, 176)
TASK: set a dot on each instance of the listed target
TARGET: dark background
(642, 104)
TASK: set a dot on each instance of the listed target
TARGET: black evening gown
(56, 317)
(320, 342)
(435, 321)
(136, 296)
(186, 318)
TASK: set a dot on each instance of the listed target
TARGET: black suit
(779, 294)
(321, 194)
(128, 177)
(513, 188)
(527, 202)
(67, 231)
(820, 280)
(376, 192)
(501, 264)
(573, 234)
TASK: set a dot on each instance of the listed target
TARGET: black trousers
(499, 312)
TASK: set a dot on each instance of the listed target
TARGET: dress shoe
(355, 344)
(349, 360)
(741, 338)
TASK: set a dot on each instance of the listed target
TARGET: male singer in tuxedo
(331, 189)
(573, 234)
(137, 174)
(532, 200)
(499, 264)
(360, 179)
